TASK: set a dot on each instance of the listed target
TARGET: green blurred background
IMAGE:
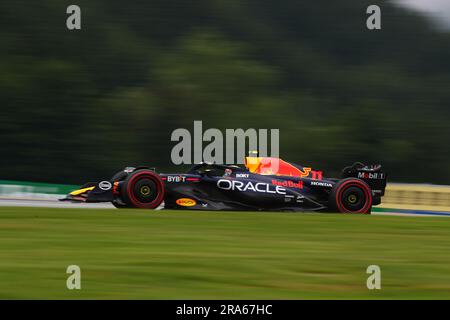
(79, 105)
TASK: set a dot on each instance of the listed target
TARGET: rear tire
(351, 195)
(143, 189)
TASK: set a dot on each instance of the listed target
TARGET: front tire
(351, 195)
(143, 189)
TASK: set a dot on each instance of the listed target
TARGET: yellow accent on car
(252, 163)
(81, 191)
(186, 202)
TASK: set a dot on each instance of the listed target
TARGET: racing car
(265, 183)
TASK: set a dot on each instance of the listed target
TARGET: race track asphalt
(4, 202)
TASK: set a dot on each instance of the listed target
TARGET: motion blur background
(79, 105)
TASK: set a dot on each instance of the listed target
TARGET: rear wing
(372, 175)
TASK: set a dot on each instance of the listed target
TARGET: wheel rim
(353, 199)
(145, 190)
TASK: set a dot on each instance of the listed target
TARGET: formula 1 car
(265, 183)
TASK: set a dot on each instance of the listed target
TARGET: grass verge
(135, 254)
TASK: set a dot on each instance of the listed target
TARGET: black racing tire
(351, 195)
(118, 203)
(143, 189)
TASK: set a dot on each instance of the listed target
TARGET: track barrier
(417, 196)
(33, 190)
(398, 195)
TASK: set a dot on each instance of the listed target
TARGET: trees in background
(78, 105)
